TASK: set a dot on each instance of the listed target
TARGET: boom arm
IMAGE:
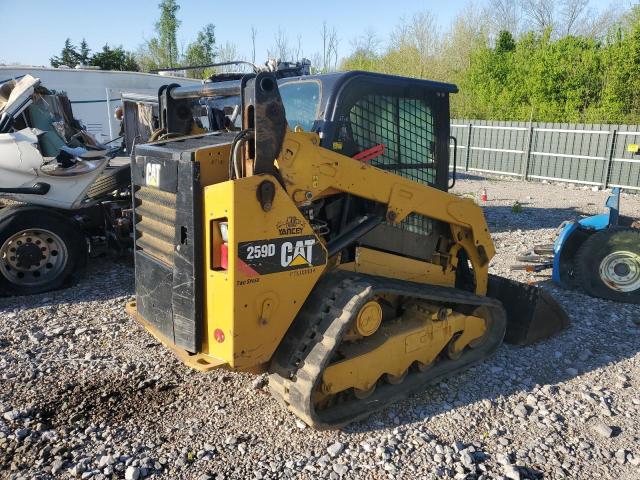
(310, 172)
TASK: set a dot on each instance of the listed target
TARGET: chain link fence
(589, 154)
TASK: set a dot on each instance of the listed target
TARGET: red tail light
(224, 256)
(219, 244)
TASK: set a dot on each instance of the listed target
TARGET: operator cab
(355, 112)
(404, 124)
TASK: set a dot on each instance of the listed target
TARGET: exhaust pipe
(209, 89)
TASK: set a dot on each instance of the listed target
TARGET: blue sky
(33, 31)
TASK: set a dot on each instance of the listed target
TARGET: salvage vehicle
(599, 255)
(94, 93)
(65, 194)
(320, 244)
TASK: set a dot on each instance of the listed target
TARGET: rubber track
(325, 317)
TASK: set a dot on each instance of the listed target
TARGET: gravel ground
(86, 393)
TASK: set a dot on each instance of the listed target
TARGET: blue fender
(574, 233)
(563, 239)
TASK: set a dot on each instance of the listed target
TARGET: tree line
(528, 60)
(162, 49)
(107, 59)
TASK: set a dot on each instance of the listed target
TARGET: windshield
(301, 102)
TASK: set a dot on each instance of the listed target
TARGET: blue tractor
(598, 254)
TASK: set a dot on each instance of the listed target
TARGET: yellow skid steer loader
(318, 242)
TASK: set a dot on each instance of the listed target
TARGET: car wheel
(41, 249)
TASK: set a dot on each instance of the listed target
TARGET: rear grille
(155, 223)
(168, 226)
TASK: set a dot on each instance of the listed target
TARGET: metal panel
(168, 232)
(589, 154)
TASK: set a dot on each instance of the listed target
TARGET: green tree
(621, 83)
(84, 56)
(468, 34)
(68, 56)
(364, 55)
(114, 59)
(167, 28)
(536, 78)
(506, 42)
(551, 74)
(201, 51)
(161, 51)
(149, 55)
(361, 60)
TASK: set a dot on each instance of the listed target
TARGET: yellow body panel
(415, 337)
(373, 262)
(214, 164)
(252, 310)
(198, 361)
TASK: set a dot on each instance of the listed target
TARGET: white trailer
(95, 94)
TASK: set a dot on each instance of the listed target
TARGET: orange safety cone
(483, 195)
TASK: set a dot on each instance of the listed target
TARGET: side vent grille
(155, 223)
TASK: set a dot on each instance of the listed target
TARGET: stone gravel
(86, 393)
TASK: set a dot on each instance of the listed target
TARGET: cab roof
(335, 80)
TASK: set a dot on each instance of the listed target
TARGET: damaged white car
(67, 194)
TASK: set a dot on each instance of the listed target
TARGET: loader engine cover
(168, 229)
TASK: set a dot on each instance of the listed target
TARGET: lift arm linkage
(310, 172)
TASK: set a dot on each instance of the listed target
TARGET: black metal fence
(577, 153)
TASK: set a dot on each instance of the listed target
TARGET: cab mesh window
(405, 126)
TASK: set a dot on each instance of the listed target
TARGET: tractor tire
(608, 265)
(41, 249)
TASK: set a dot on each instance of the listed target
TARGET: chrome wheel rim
(33, 257)
(620, 271)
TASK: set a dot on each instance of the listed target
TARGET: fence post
(468, 157)
(528, 153)
(612, 151)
